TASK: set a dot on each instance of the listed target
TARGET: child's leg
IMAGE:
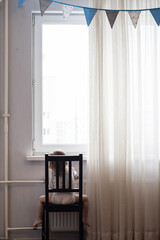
(85, 208)
(39, 213)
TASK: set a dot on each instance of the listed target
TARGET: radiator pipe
(21, 181)
(6, 115)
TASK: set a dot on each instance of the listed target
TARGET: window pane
(64, 84)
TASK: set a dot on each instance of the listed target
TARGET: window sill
(35, 158)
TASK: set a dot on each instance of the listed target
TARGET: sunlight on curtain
(123, 185)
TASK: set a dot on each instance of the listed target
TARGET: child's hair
(52, 165)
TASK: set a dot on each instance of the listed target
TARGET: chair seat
(75, 207)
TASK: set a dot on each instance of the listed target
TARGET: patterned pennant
(67, 11)
(20, 3)
(44, 4)
(89, 14)
(112, 16)
(156, 14)
(134, 15)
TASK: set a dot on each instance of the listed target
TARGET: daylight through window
(63, 91)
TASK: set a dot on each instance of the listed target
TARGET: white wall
(22, 197)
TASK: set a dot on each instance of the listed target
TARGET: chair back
(63, 174)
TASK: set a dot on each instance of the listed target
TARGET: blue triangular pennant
(20, 3)
(89, 14)
(156, 14)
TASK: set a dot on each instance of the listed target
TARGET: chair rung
(64, 190)
(66, 158)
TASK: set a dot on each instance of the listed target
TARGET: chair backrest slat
(70, 175)
(80, 178)
(57, 175)
(64, 175)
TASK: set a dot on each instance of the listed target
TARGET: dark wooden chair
(50, 207)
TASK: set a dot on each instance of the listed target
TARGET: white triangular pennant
(112, 16)
(67, 11)
(134, 15)
(44, 4)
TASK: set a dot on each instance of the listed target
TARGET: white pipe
(6, 115)
(23, 228)
(19, 181)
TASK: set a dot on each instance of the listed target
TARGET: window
(60, 89)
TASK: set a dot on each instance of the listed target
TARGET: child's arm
(75, 174)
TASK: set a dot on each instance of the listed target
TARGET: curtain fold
(123, 183)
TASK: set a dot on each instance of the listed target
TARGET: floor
(58, 238)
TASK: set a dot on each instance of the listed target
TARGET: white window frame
(76, 17)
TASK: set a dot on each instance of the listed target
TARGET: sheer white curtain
(124, 125)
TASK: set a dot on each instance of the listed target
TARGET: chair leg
(80, 226)
(43, 227)
(47, 226)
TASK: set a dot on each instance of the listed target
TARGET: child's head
(58, 152)
(53, 164)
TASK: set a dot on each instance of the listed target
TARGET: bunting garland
(90, 12)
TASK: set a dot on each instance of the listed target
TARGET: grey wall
(22, 197)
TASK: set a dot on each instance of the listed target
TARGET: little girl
(60, 198)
